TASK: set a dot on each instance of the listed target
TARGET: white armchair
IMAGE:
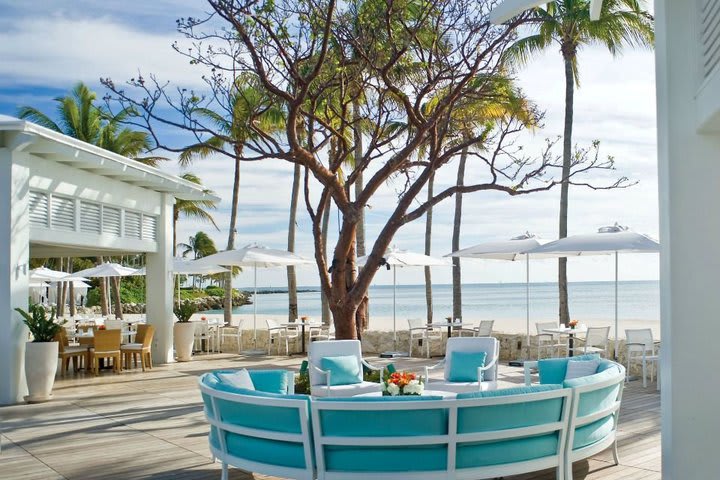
(548, 341)
(485, 328)
(321, 384)
(420, 331)
(641, 348)
(488, 372)
(596, 341)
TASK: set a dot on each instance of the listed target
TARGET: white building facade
(60, 197)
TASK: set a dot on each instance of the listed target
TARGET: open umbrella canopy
(183, 266)
(253, 255)
(402, 258)
(45, 274)
(510, 250)
(606, 241)
(104, 270)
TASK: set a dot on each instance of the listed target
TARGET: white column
(14, 257)
(689, 183)
(159, 290)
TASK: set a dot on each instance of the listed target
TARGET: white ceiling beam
(19, 141)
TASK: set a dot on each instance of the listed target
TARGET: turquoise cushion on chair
(271, 381)
(481, 454)
(553, 370)
(464, 366)
(407, 458)
(593, 432)
(510, 391)
(344, 370)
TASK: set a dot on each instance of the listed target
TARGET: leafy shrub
(42, 328)
(185, 310)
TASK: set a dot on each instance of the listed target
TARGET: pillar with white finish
(689, 187)
(14, 268)
(159, 285)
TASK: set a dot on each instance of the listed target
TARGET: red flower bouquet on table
(572, 323)
(402, 383)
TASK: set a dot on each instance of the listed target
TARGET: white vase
(41, 360)
(184, 337)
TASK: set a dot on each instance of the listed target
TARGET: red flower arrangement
(402, 383)
(101, 327)
(572, 323)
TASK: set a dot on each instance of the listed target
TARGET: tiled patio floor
(150, 425)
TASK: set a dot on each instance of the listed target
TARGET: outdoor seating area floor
(151, 425)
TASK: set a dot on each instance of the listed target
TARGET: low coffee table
(426, 393)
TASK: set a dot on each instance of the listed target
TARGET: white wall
(14, 258)
(689, 183)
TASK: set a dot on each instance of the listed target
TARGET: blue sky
(48, 46)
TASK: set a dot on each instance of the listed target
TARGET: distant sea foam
(637, 300)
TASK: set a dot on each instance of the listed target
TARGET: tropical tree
(567, 25)
(249, 109)
(300, 53)
(193, 209)
(200, 245)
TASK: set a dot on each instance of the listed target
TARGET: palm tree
(195, 209)
(200, 245)
(567, 24)
(251, 110)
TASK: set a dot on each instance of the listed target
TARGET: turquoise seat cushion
(480, 454)
(553, 370)
(272, 381)
(464, 366)
(593, 432)
(606, 365)
(272, 452)
(344, 369)
(340, 458)
(484, 418)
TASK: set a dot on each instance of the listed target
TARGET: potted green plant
(184, 331)
(41, 354)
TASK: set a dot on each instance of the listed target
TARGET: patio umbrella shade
(104, 270)
(395, 257)
(607, 241)
(255, 256)
(512, 250)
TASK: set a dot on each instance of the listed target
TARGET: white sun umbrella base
(607, 241)
(402, 258)
(514, 249)
(254, 256)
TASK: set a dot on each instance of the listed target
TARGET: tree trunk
(564, 310)
(428, 247)
(115, 282)
(457, 221)
(327, 314)
(292, 278)
(227, 281)
(358, 152)
(176, 217)
(103, 293)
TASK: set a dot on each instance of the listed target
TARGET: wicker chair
(66, 353)
(142, 346)
(106, 345)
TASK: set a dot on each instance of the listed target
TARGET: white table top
(565, 330)
(300, 324)
(446, 324)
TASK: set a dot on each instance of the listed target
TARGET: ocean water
(637, 300)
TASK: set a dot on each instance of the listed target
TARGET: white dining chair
(640, 347)
(422, 333)
(596, 340)
(485, 328)
(548, 341)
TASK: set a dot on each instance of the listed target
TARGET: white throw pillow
(238, 379)
(581, 368)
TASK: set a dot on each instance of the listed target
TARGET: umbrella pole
(527, 303)
(394, 298)
(255, 309)
(615, 351)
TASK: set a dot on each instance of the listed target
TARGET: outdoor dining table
(447, 324)
(566, 331)
(302, 326)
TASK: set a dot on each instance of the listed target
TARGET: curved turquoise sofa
(477, 435)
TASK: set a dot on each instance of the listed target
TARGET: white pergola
(60, 197)
(687, 72)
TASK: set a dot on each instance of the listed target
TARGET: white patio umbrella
(104, 270)
(607, 241)
(395, 257)
(509, 250)
(44, 274)
(255, 256)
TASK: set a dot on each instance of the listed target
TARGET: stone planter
(41, 360)
(184, 337)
